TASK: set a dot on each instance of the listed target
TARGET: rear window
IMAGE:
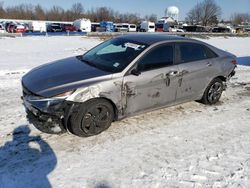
(194, 52)
(151, 26)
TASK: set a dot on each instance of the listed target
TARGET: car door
(196, 65)
(155, 83)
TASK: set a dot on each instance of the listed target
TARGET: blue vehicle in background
(106, 26)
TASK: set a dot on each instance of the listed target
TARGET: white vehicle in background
(118, 27)
(174, 29)
(83, 25)
(132, 28)
(147, 26)
(37, 26)
(121, 27)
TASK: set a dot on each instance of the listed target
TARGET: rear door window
(194, 52)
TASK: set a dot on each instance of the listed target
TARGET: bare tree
(22, 11)
(77, 11)
(55, 13)
(205, 13)
(151, 18)
(39, 13)
(2, 11)
(240, 18)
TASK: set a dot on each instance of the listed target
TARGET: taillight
(234, 62)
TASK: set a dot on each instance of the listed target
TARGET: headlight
(64, 95)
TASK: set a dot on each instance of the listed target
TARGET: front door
(156, 85)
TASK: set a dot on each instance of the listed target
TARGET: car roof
(153, 38)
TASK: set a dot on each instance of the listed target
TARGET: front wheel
(92, 118)
(213, 92)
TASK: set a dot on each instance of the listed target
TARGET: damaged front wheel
(93, 117)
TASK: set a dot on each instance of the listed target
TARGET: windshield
(114, 55)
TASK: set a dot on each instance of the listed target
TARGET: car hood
(61, 76)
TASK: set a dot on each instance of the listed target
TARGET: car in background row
(147, 26)
(2, 30)
(68, 27)
(20, 28)
(54, 28)
(122, 77)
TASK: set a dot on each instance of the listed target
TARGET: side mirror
(135, 72)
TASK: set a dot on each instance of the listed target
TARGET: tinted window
(161, 56)
(194, 52)
(210, 53)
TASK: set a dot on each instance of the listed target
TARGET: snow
(189, 145)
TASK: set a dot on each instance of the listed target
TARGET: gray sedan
(122, 77)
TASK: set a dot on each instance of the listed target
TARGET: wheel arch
(223, 78)
(113, 104)
(75, 105)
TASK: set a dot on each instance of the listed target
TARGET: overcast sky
(142, 7)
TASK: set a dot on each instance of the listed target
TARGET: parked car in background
(11, 27)
(54, 28)
(95, 27)
(194, 28)
(2, 30)
(159, 27)
(68, 27)
(37, 26)
(132, 28)
(82, 25)
(221, 30)
(175, 29)
(119, 27)
(19, 28)
(147, 26)
(107, 26)
(122, 77)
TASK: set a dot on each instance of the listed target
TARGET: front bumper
(47, 115)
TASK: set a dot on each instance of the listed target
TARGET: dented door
(196, 70)
(151, 89)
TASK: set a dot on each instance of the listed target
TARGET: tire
(213, 92)
(92, 118)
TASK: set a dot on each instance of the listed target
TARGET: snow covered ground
(189, 145)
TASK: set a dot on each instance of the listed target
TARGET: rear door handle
(183, 72)
(209, 64)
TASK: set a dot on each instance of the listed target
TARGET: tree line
(77, 11)
(205, 13)
(208, 13)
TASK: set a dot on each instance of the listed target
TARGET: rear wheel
(213, 92)
(93, 117)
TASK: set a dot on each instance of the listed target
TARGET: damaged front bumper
(47, 115)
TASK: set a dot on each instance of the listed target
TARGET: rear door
(157, 83)
(197, 68)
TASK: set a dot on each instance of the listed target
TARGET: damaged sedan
(122, 77)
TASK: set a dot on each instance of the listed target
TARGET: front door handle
(172, 73)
